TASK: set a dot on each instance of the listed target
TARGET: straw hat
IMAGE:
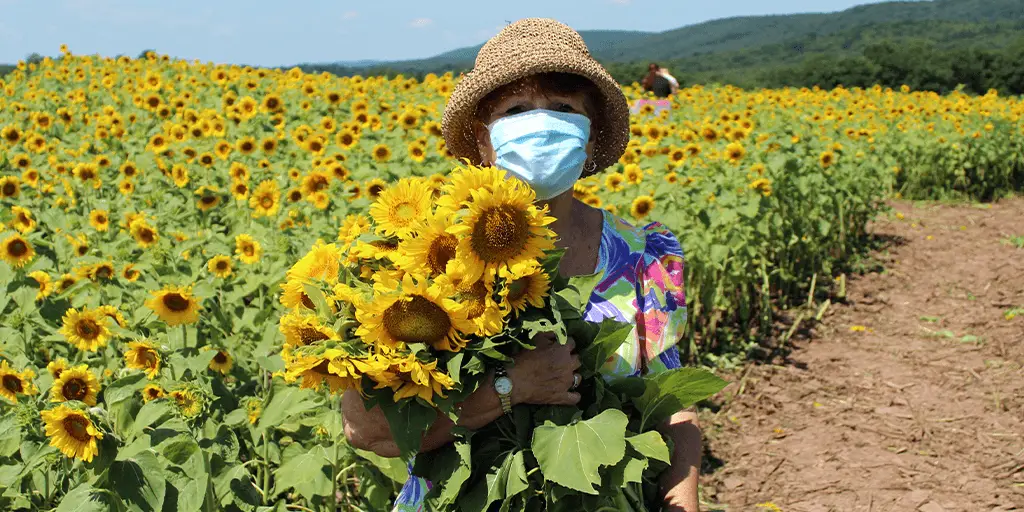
(528, 47)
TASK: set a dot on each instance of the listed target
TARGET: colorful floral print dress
(642, 284)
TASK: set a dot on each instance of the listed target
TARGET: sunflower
(10, 187)
(266, 199)
(144, 234)
(190, 401)
(346, 139)
(16, 251)
(634, 174)
(248, 249)
(331, 367)
(77, 383)
(613, 182)
(375, 187)
(246, 145)
(130, 273)
(209, 197)
(530, 289)
(423, 380)
(762, 185)
(99, 220)
(430, 250)
(126, 187)
(321, 263)
(240, 191)
(481, 308)
(101, 270)
(175, 305)
(641, 207)
(219, 265)
(45, 283)
(253, 408)
(23, 220)
(222, 362)
(381, 153)
(72, 432)
(301, 328)
(400, 209)
(417, 153)
(320, 200)
(414, 312)
(826, 159)
(463, 181)
(353, 226)
(143, 355)
(13, 383)
(152, 392)
(735, 152)
(87, 329)
(239, 171)
(503, 232)
(66, 281)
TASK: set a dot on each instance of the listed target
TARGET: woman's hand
(543, 376)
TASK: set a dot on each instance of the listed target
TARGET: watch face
(503, 385)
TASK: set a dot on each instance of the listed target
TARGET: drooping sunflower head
(529, 289)
(331, 367)
(16, 251)
(77, 383)
(175, 305)
(414, 312)
(66, 281)
(321, 263)
(23, 220)
(88, 330)
(44, 281)
(501, 233)
(399, 210)
(72, 432)
(143, 355)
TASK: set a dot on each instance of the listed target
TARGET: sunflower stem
(266, 468)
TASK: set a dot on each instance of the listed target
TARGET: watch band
(504, 398)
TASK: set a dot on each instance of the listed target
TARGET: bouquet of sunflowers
(448, 277)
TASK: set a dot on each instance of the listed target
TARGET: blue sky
(272, 33)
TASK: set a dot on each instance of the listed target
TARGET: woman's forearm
(679, 482)
(369, 430)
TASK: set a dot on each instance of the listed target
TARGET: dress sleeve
(661, 299)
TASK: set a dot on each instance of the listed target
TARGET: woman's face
(522, 99)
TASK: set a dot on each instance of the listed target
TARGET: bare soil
(922, 410)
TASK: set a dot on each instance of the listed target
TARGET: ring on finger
(576, 380)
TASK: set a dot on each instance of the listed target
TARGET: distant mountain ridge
(750, 33)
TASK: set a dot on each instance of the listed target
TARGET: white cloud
(349, 15)
(421, 22)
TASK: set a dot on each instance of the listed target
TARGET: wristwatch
(503, 385)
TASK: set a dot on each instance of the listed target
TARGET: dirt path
(922, 410)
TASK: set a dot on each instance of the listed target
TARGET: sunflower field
(150, 209)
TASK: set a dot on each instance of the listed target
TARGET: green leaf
(124, 388)
(408, 422)
(309, 473)
(86, 498)
(571, 455)
(628, 470)
(650, 444)
(153, 412)
(139, 481)
(10, 436)
(609, 338)
(516, 482)
(391, 467)
(285, 402)
(488, 490)
(454, 467)
(671, 391)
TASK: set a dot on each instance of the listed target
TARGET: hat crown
(534, 32)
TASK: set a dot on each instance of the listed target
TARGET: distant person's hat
(528, 47)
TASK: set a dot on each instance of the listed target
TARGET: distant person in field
(540, 107)
(657, 83)
(672, 82)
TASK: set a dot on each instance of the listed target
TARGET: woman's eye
(515, 109)
(565, 107)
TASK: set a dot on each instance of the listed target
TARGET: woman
(538, 106)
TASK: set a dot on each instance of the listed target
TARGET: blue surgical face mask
(544, 148)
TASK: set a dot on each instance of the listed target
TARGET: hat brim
(611, 129)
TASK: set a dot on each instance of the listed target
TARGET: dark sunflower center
(517, 289)
(104, 272)
(375, 190)
(442, 249)
(146, 235)
(77, 427)
(17, 248)
(267, 202)
(309, 335)
(87, 329)
(246, 146)
(220, 358)
(475, 299)
(248, 249)
(222, 265)
(643, 207)
(82, 249)
(12, 383)
(147, 358)
(500, 234)
(175, 302)
(74, 389)
(417, 320)
(209, 199)
(9, 189)
(153, 392)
